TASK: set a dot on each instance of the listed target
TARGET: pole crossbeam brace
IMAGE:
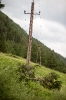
(30, 33)
(33, 14)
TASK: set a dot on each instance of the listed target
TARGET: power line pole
(38, 54)
(30, 33)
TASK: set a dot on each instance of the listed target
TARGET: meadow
(12, 89)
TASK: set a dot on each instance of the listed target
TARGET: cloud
(52, 34)
(54, 10)
(49, 28)
(50, 9)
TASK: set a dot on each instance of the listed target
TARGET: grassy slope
(13, 90)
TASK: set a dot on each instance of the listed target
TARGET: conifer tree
(1, 5)
(2, 35)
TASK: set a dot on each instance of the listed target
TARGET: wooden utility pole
(30, 33)
(38, 54)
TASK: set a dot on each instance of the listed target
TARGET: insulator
(39, 11)
(24, 11)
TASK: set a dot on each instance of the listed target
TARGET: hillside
(13, 39)
(12, 89)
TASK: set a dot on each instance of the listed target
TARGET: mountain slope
(12, 89)
(13, 39)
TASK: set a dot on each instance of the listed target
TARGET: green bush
(51, 81)
(26, 73)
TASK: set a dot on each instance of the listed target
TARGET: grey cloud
(50, 9)
(16, 8)
(54, 10)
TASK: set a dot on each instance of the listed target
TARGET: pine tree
(1, 5)
(2, 42)
(2, 38)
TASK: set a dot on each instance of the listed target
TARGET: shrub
(51, 81)
(26, 73)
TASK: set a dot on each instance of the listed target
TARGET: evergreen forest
(14, 40)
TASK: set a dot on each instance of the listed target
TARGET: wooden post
(38, 54)
(30, 34)
(40, 57)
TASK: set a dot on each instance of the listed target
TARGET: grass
(12, 89)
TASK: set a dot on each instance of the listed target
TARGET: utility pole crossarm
(33, 14)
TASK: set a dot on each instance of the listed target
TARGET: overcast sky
(49, 27)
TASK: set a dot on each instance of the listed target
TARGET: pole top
(33, 0)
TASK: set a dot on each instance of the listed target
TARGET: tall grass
(12, 89)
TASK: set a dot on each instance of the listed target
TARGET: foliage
(59, 95)
(2, 42)
(1, 5)
(12, 89)
(26, 73)
(51, 81)
(2, 38)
